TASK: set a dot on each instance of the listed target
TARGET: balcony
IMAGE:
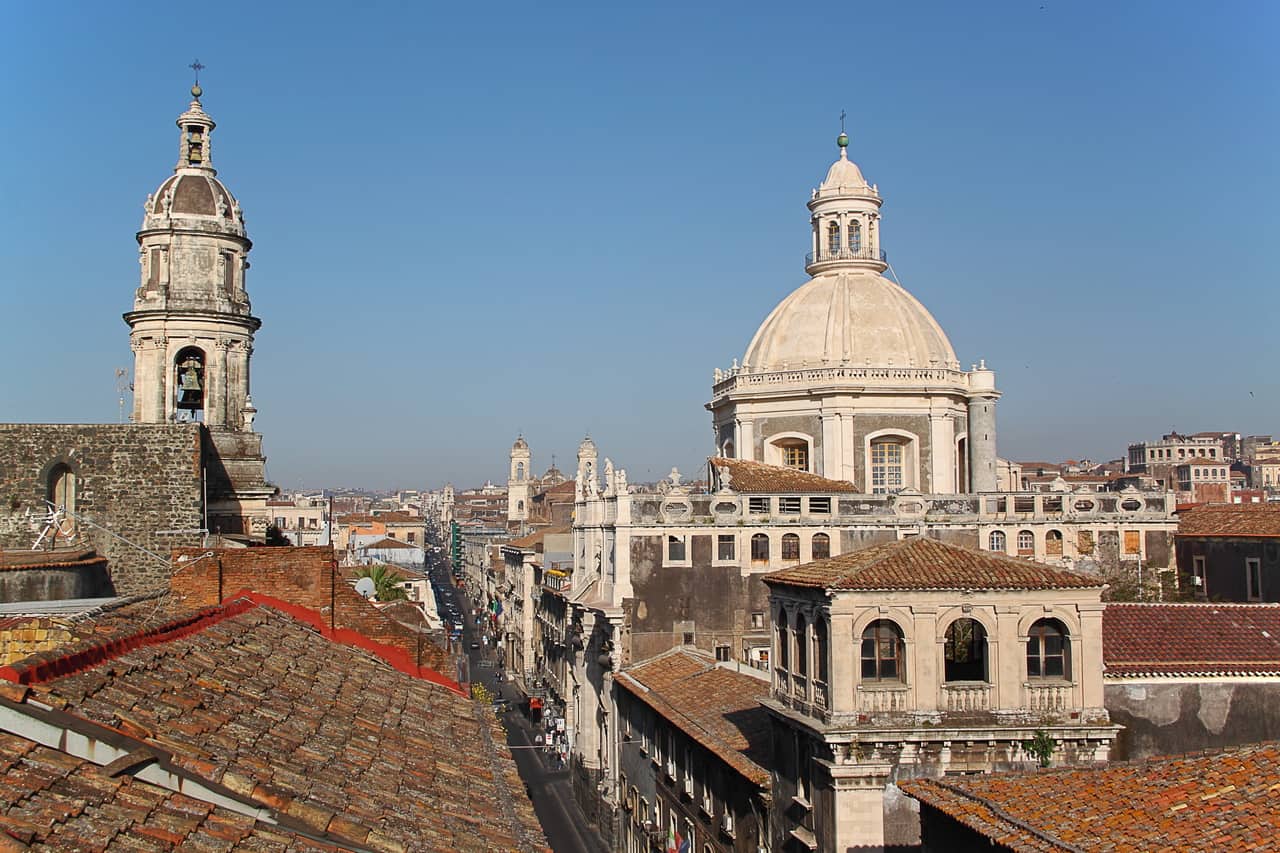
(966, 696)
(861, 253)
(1048, 696)
(888, 698)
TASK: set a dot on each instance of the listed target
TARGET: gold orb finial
(196, 91)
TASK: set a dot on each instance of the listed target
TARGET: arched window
(728, 450)
(760, 548)
(965, 651)
(790, 547)
(886, 466)
(802, 645)
(189, 380)
(519, 470)
(855, 237)
(520, 506)
(996, 542)
(61, 491)
(1053, 543)
(833, 239)
(883, 652)
(1026, 543)
(1048, 650)
(821, 546)
(792, 453)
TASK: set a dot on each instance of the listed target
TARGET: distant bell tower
(518, 482)
(191, 328)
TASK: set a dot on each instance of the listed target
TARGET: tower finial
(196, 91)
(843, 139)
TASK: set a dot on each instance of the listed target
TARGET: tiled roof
(744, 476)
(388, 542)
(717, 707)
(50, 800)
(922, 563)
(384, 517)
(565, 489)
(252, 699)
(1231, 520)
(1220, 801)
(57, 559)
(535, 538)
(1187, 639)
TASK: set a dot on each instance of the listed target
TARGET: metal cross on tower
(196, 67)
(842, 121)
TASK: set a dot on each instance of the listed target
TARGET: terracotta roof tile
(325, 732)
(922, 563)
(1185, 639)
(717, 707)
(1231, 520)
(389, 543)
(58, 558)
(1221, 801)
(744, 476)
(50, 800)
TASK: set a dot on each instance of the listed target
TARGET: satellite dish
(365, 587)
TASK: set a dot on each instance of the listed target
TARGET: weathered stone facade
(135, 480)
(1166, 716)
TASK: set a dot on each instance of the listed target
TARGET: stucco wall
(1161, 717)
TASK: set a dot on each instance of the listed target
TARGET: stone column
(746, 448)
(160, 405)
(830, 446)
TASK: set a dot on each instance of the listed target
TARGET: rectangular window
(757, 619)
(820, 506)
(1197, 576)
(796, 456)
(1024, 504)
(726, 547)
(1133, 542)
(1084, 542)
(724, 652)
(411, 535)
(758, 505)
(676, 549)
(1253, 577)
(789, 505)
(886, 467)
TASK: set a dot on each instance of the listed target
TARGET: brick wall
(135, 479)
(308, 577)
(21, 637)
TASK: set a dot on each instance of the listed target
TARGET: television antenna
(54, 525)
(123, 386)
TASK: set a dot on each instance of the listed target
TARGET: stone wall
(137, 480)
(1161, 718)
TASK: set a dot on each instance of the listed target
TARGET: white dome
(855, 318)
(844, 173)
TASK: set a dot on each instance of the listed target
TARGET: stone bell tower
(191, 327)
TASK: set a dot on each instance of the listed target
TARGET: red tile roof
(922, 563)
(743, 476)
(52, 800)
(252, 699)
(1187, 639)
(1231, 520)
(715, 706)
(535, 538)
(387, 542)
(60, 558)
(1220, 801)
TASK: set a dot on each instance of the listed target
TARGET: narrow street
(549, 789)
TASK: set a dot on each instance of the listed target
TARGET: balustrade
(876, 699)
(821, 697)
(966, 696)
(1048, 696)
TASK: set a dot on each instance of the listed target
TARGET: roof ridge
(45, 666)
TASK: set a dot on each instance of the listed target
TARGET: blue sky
(473, 219)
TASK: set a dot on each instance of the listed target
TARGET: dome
(192, 193)
(520, 444)
(855, 318)
(587, 446)
(844, 173)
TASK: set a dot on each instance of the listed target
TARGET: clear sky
(475, 219)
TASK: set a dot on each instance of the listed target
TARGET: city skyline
(443, 261)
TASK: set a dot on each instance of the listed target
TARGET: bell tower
(518, 483)
(191, 327)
